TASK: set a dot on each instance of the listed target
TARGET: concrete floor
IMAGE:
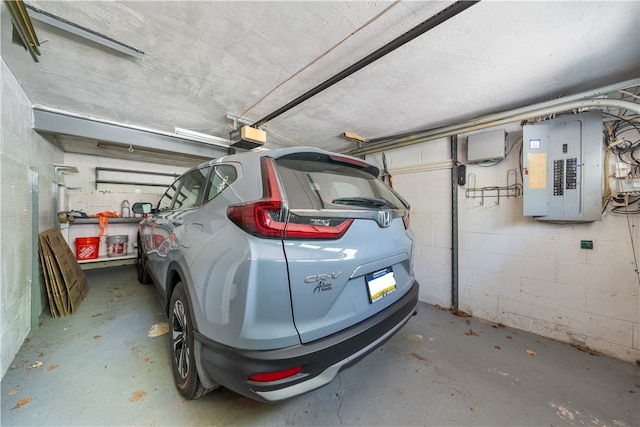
(101, 367)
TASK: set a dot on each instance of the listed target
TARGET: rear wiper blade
(360, 201)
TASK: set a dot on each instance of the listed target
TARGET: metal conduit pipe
(432, 22)
(454, 224)
(590, 94)
(490, 121)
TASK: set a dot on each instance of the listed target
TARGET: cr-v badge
(320, 281)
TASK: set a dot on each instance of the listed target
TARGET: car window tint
(192, 185)
(167, 199)
(315, 184)
(346, 189)
(221, 178)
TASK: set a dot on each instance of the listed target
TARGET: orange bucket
(87, 247)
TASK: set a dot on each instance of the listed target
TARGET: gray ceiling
(207, 59)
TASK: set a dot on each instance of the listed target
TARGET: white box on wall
(486, 146)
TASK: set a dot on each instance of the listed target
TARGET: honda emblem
(384, 218)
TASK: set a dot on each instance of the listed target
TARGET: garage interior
(111, 100)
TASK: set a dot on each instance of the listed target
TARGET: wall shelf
(108, 261)
(90, 227)
(115, 173)
(96, 220)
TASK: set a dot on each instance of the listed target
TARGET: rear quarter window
(222, 177)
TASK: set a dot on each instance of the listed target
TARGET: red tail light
(268, 217)
(407, 220)
(264, 377)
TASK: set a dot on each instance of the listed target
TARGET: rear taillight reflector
(309, 231)
(264, 377)
(407, 220)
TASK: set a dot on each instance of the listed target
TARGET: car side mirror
(142, 208)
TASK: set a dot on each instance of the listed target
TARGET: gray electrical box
(486, 146)
(562, 161)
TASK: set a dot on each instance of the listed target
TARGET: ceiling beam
(51, 121)
(427, 25)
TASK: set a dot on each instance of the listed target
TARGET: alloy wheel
(180, 339)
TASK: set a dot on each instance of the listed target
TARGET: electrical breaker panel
(562, 161)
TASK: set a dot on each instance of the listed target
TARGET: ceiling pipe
(86, 33)
(24, 27)
(550, 107)
(432, 22)
(554, 102)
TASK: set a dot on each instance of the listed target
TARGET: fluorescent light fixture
(145, 151)
(202, 137)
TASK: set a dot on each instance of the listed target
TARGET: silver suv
(278, 269)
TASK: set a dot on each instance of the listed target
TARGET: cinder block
(598, 277)
(442, 239)
(546, 293)
(481, 261)
(479, 302)
(498, 283)
(611, 254)
(497, 244)
(465, 241)
(614, 305)
(530, 268)
(465, 276)
(554, 319)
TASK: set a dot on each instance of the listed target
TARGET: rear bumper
(321, 359)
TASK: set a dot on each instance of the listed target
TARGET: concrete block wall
(428, 190)
(515, 270)
(82, 193)
(26, 162)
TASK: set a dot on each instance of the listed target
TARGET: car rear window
(321, 182)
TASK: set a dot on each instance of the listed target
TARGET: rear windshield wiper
(360, 201)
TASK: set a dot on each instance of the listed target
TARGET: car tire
(143, 275)
(185, 372)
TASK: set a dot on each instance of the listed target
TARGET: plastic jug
(126, 209)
